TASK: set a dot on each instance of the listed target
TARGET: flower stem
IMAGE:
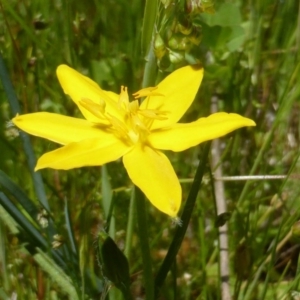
(150, 69)
(144, 243)
(147, 36)
(150, 13)
(148, 80)
(130, 225)
(185, 218)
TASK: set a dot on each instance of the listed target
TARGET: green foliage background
(250, 52)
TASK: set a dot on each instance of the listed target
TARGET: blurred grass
(250, 52)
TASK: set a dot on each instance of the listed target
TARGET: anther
(146, 92)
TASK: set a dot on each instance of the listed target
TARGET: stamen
(120, 127)
(146, 92)
(136, 122)
(123, 100)
(98, 110)
(133, 106)
(153, 114)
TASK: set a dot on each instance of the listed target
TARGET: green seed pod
(173, 42)
(159, 46)
(196, 36)
(184, 30)
(181, 43)
(185, 44)
(199, 6)
(184, 25)
(176, 57)
(164, 63)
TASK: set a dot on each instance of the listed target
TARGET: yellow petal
(183, 136)
(80, 87)
(179, 90)
(153, 173)
(91, 152)
(58, 128)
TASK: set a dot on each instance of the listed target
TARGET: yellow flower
(114, 127)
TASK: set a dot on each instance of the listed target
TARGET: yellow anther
(135, 123)
(154, 114)
(98, 110)
(146, 92)
(123, 100)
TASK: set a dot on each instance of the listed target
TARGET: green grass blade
(69, 229)
(15, 107)
(33, 237)
(130, 225)
(57, 274)
(23, 222)
(18, 194)
(108, 201)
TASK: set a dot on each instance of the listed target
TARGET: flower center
(133, 124)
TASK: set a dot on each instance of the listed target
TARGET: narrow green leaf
(28, 232)
(15, 107)
(56, 273)
(23, 222)
(8, 221)
(107, 201)
(69, 229)
(18, 194)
